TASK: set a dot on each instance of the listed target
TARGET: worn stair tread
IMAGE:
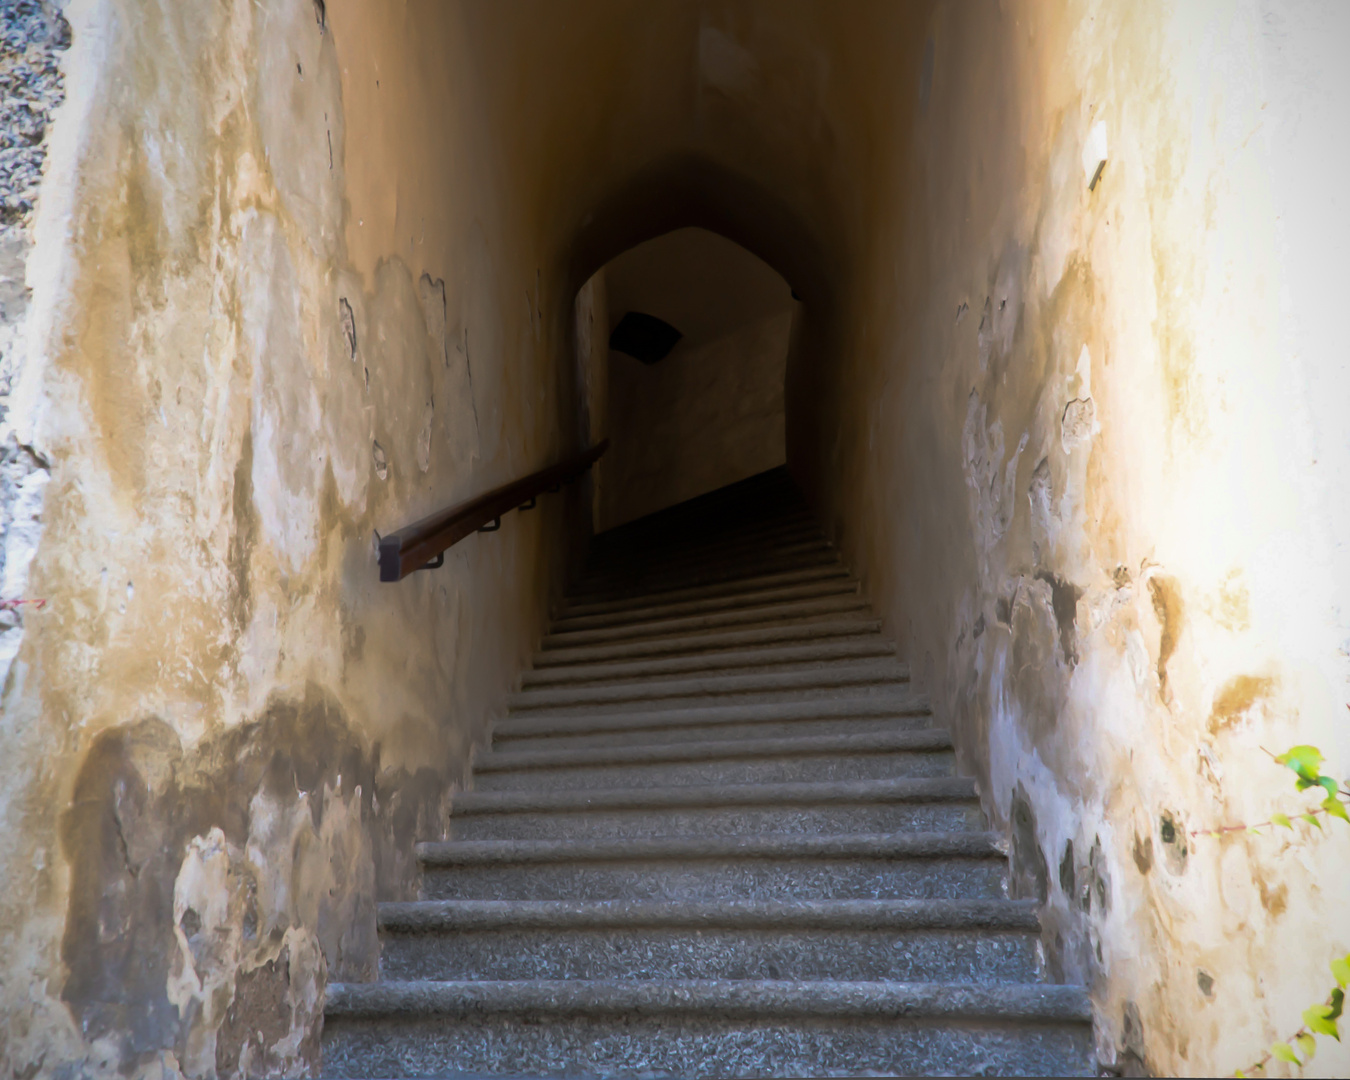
(717, 605)
(852, 648)
(905, 845)
(904, 789)
(551, 656)
(769, 612)
(930, 739)
(839, 674)
(754, 578)
(711, 716)
(758, 999)
(429, 916)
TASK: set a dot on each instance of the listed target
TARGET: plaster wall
(1089, 451)
(274, 308)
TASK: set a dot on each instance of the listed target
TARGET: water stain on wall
(215, 888)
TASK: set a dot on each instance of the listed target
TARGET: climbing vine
(1324, 1017)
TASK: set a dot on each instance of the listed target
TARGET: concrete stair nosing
(930, 739)
(756, 578)
(708, 642)
(440, 916)
(773, 612)
(1032, 1002)
(862, 647)
(936, 789)
(911, 845)
(717, 605)
(823, 677)
(710, 717)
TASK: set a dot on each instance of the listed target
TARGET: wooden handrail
(414, 547)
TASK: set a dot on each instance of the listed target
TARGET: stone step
(864, 806)
(718, 605)
(705, 1028)
(793, 727)
(870, 756)
(715, 836)
(756, 577)
(694, 644)
(854, 940)
(760, 658)
(771, 614)
(661, 581)
(914, 865)
(877, 676)
(758, 770)
(841, 715)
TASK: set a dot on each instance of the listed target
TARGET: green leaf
(1318, 1019)
(1311, 819)
(1337, 1004)
(1307, 1046)
(1335, 807)
(1285, 1052)
(1329, 785)
(1304, 760)
(1255, 830)
(1282, 820)
(1341, 969)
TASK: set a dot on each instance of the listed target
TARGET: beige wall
(711, 412)
(1087, 448)
(222, 735)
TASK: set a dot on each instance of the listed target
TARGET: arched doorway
(683, 342)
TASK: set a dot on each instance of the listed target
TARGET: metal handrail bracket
(421, 544)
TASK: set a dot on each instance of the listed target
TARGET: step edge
(909, 789)
(836, 628)
(732, 617)
(436, 916)
(649, 719)
(820, 571)
(752, 682)
(887, 846)
(1036, 1003)
(847, 649)
(921, 740)
(848, 586)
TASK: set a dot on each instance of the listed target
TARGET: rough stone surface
(33, 35)
(876, 1039)
(802, 878)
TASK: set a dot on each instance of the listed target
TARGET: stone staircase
(716, 836)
